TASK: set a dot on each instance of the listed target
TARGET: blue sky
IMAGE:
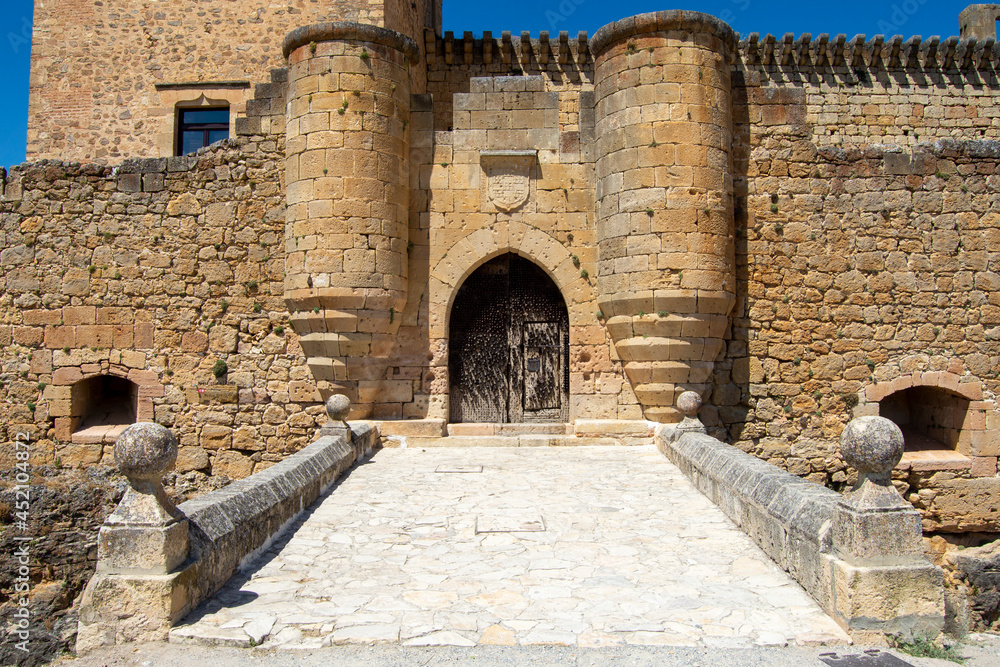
(905, 17)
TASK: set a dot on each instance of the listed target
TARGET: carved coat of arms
(507, 180)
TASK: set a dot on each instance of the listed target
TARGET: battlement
(527, 52)
(933, 53)
(516, 50)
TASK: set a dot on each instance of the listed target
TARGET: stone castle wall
(867, 241)
(797, 227)
(153, 271)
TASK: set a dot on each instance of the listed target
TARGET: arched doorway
(508, 356)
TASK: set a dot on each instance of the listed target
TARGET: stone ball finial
(872, 445)
(145, 451)
(689, 403)
(337, 407)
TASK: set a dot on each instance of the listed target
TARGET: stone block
(613, 427)
(144, 335)
(248, 126)
(80, 455)
(41, 317)
(232, 464)
(871, 602)
(300, 391)
(28, 336)
(411, 427)
(130, 182)
(67, 375)
(60, 337)
(396, 391)
(63, 427)
(982, 443)
(152, 182)
(984, 466)
(154, 603)
(133, 358)
(864, 534)
(214, 436)
(223, 339)
(471, 429)
(191, 458)
(194, 341)
(154, 549)
(247, 438)
(97, 335)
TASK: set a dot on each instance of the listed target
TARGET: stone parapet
(671, 19)
(135, 596)
(347, 30)
(859, 559)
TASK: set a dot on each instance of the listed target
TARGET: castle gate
(509, 346)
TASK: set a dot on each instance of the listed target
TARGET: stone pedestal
(139, 589)
(882, 584)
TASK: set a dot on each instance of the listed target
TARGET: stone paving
(579, 546)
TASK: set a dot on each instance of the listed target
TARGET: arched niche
(102, 406)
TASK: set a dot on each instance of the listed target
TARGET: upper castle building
(233, 209)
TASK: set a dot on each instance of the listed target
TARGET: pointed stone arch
(483, 245)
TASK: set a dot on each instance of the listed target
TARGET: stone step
(526, 440)
(410, 427)
(553, 428)
(614, 428)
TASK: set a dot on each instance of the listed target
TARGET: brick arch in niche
(98, 405)
(937, 411)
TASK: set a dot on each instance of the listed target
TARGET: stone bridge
(577, 546)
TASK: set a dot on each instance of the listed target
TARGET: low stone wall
(790, 518)
(226, 529)
(857, 555)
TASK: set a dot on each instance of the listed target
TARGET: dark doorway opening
(508, 357)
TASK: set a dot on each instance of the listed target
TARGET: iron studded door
(478, 358)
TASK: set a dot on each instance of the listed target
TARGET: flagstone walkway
(577, 546)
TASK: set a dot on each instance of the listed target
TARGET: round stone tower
(666, 270)
(347, 185)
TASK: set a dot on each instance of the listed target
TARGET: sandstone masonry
(803, 229)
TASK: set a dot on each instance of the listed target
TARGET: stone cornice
(348, 30)
(674, 19)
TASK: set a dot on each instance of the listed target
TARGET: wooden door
(478, 356)
(509, 346)
(541, 368)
